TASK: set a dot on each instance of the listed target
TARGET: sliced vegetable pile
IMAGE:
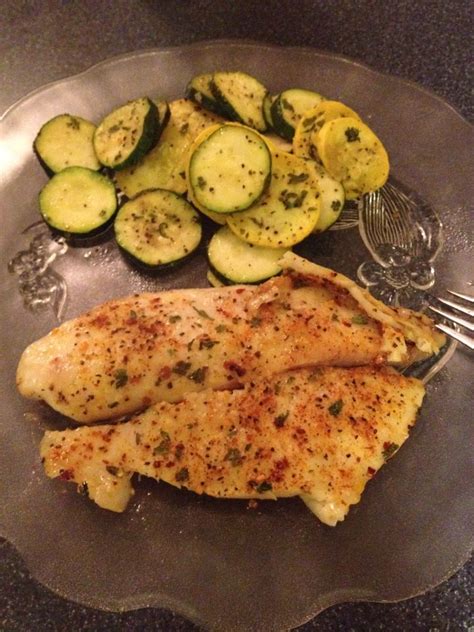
(269, 168)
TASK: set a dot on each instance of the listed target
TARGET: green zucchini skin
(234, 261)
(164, 114)
(164, 167)
(226, 281)
(220, 277)
(157, 229)
(87, 240)
(65, 141)
(230, 170)
(78, 202)
(289, 107)
(155, 270)
(112, 151)
(246, 108)
(213, 280)
(267, 109)
(49, 172)
(199, 91)
(281, 127)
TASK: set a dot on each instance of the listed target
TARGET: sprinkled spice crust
(320, 435)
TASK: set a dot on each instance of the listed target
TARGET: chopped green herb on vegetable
(352, 134)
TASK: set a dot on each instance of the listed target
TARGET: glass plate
(217, 562)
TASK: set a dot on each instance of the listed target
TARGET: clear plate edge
(229, 42)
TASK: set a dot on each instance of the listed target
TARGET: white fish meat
(133, 352)
(320, 434)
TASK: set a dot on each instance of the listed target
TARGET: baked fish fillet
(319, 434)
(130, 353)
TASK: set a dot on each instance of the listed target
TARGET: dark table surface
(430, 42)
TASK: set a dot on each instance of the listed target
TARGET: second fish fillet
(320, 434)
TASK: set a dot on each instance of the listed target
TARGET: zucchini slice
(213, 280)
(241, 97)
(157, 228)
(288, 211)
(304, 144)
(331, 198)
(267, 109)
(66, 141)
(199, 91)
(289, 107)
(78, 201)
(164, 114)
(218, 218)
(330, 110)
(235, 261)
(230, 170)
(127, 134)
(164, 167)
(352, 154)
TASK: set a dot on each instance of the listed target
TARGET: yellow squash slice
(311, 123)
(352, 154)
(287, 212)
(331, 198)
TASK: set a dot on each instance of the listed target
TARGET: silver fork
(453, 317)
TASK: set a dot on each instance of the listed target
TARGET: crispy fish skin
(130, 353)
(320, 434)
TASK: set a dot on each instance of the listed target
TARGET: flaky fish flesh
(130, 353)
(320, 434)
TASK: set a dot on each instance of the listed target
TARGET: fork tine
(460, 308)
(456, 319)
(466, 340)
(465, 297)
